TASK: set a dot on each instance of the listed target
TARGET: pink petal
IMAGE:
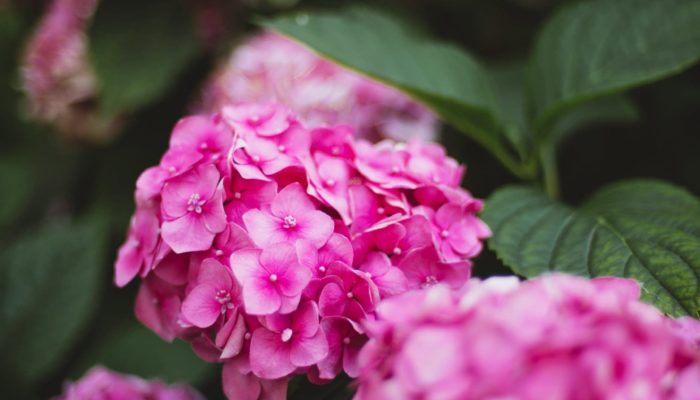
(393, 282)
(269, 356)
(213, 214)
(128, 263)
(316, 227)
(292, 200)
(215, 273)
(233, 344)
(239, 386)
(246, 266)
(187, 234)
(200, 307)
(304, 321)
(308, 351)
(337, 248)
(307, 254)
(332, 300)
(264, 229)
(202, 181)
(260, 297)
(294, 280)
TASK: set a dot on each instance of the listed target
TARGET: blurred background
(66, 186)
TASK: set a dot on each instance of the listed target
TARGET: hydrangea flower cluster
(266, 244)
(269, 67)
(554, 337)
(102, 384)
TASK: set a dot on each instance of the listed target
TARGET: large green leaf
(136, 350)
(48, 289)
(646, 230)
(139, 49)
(617, 108)
(600, 47)
(444, 77)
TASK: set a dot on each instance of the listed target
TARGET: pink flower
(423, 268)
(272, 278)
(292, 216)
(214, 296)
(270, 68)
(158, 306)
(248, 194)
(253, 224)
(345, 339)
(198, 134)
(137, 252)
(100, 383)
(57, 76)
(347, 292)
(287, 342)
(246, 386)
(194, 211)
(337, 248)
(389, 280)
(532, 340)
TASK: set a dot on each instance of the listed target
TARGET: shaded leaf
(442, 76)
(610, 109)
(139, 49)
(48, 289)
(601, 47)
(646, 230)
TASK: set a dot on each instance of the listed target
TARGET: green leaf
(136, 350)
(595, 48)
(48, 290)
(509, 87)
(16, 177)
(441, 75)
(139, 49)
(646, 230)
(609, 109)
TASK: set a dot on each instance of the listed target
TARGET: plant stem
(550, 171)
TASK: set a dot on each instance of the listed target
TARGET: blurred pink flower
(270, 68)
(57, 77)
(102, 384)
(539, 339)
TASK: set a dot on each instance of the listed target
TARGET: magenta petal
(305, 319)
(239, 386)
(393, 282)
(332, 300)
(289, 304)
(293, 282)
(246, 265)
(308, 351)
(264, 229)
(261, 297)
(187, 234)
(307, 254)
(269, 356)
(234, 343)
(128, 263)
(316, 227)
(200, 307)
(214, 216)
(292, 200)
(215, 273)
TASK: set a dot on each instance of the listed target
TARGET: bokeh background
(65, 202)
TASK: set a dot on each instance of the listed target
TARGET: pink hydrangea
(270, 68)
(58, 79)
(266, 243)
(102, 384)
(554, 337)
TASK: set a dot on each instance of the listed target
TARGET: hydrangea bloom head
(102, 384)
(266, 243)
(270, 68)
(539, 339)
